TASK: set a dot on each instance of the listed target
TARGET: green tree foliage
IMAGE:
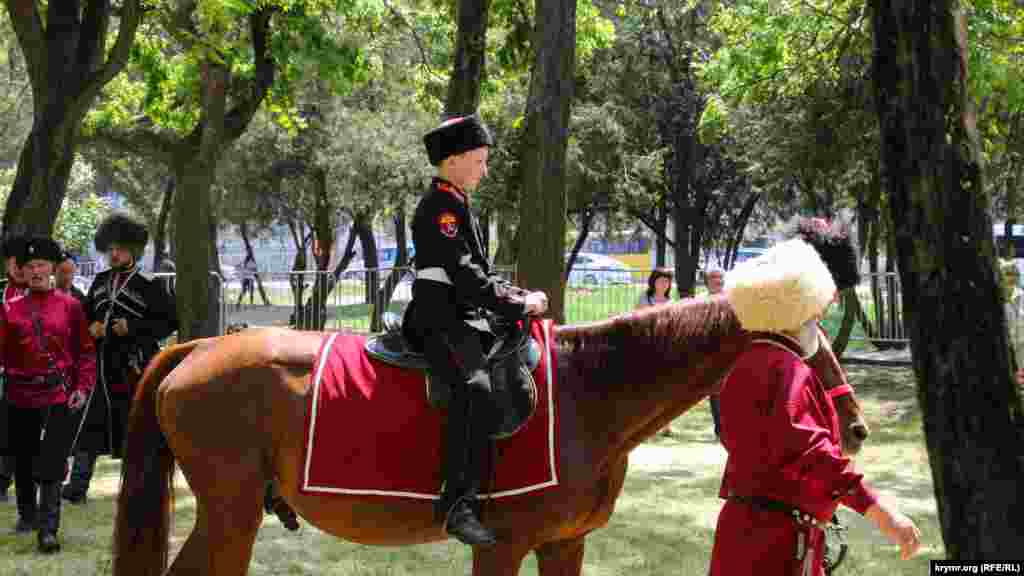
(81, 212)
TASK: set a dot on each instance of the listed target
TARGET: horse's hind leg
(222, 540)
(561, 558)
(498, 560)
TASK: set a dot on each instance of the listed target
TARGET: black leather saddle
(510, 363)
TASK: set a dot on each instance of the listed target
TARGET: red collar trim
(446, 186)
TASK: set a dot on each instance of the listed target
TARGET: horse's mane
(639, 343)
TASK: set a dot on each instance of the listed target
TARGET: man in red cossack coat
(50, 364)
(11, 286)
(786, 474)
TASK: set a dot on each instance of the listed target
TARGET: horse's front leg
(499, 560)
(561, 558)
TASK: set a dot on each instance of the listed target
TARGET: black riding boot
(27, 498)
(468, 426)
(81, 474)
(49, 517)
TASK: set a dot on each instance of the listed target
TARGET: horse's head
(852, 426)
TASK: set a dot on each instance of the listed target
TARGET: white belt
(436, 273)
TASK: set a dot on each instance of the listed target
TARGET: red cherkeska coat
(781, 430)
(65, 337)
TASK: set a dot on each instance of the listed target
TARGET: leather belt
(435, 273)
(800, 517)
(49, 381)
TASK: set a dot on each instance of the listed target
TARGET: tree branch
(237, 120)
(28, 27)
(647, 221)
(136, 141)
(131, 17)
(415, 37)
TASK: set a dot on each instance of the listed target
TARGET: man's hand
(536, 303)
(96, 329)
(77, 400)
(1020, 377)
(899, 529)
(120, 327)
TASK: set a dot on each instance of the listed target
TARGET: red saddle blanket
(370, 430)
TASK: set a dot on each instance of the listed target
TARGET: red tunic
(66, 337)
(12, 291)
(781, 430)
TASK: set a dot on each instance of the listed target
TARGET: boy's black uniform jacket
(454, 282)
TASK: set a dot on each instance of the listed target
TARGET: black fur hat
(12, 246)
(122, 230)
(834, 245)
(38, 248)
(455, 136)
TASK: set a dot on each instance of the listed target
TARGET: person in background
(249, 272)
(12, 285)
(65, 276)
(659, 288)
(713, 279)
(51, 368)
(786, 474)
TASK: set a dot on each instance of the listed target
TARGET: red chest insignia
(449, 224)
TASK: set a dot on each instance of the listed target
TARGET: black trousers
(456, 358)
(40, 439)
(41, 456)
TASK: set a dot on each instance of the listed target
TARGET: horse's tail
(142, 527)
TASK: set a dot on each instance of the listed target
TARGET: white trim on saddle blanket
(552, 468)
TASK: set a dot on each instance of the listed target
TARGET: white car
(598, 269)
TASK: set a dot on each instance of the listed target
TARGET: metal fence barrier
(357, 299)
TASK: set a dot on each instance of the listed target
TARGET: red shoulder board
(448, 222)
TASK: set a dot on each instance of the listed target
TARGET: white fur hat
(781, 289)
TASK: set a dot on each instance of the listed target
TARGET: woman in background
(659, 286)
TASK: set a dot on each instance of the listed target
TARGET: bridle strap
(841, 390)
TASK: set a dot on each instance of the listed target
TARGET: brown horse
(231, 411)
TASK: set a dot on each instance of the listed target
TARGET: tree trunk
(505, 254)
(333, 278)
(363, 224)
(660, 249)
(850, 307)
(195, 173)
(42, 177)
(470, 57)
(398, 271)
(68, 64)
(951, 291)
(586, 219)
(740, 228)
(160, 234)
(323, 230)
(297, 276)
(543, 204)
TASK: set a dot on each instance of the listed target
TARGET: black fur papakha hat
(122, 230)
(834, 245)
(39, 248)
(12, 246)
(455, 136)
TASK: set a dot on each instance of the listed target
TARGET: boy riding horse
(447, 318)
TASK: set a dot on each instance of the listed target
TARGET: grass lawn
(663, 523)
